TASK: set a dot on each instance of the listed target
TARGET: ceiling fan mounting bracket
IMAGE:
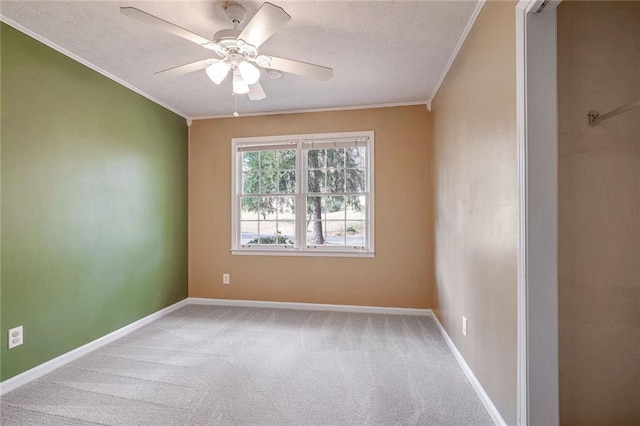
(236, 14)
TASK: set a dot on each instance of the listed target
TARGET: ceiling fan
(237, 50)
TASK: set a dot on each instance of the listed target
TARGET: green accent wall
(93, 203)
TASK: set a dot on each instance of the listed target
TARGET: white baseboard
(42, 369)
(309, 306)
(47, 367)
(484, 398)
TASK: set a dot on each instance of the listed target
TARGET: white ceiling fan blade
(300, 68)
(256, 92)
(163, 25)
(267, 20)
(184, 69)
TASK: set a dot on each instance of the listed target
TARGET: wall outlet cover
(465, 325)
(225, 278)
(15, 336)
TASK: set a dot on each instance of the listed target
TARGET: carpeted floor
(208, 365)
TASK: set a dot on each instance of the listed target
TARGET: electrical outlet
(16, 337)
(225, 278)
(465, 325)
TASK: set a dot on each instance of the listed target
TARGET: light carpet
(213, 365)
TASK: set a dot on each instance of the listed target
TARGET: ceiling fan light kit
(249, 73)
(237, 50)
(218, 71)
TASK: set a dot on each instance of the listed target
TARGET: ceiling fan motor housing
(226, 37)
(230, 45)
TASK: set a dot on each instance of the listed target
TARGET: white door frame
(537, 117)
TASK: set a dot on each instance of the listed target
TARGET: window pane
(267, 209)
(250, 161)
(286, 208)
(356, 157)
(268, 160)
(268, 231)
(315, 233)
(316, 181)
(335, 157)
(356, 208)
(334, 207)
(248, 231)
(249, 208)
(268, 182)
(355, 181)
(316, 158)
(287, 159)
(287, 181)
(335, 233)
(335, 180)
(315, 207)
(287, 232)
(250, 183)
(356, 233)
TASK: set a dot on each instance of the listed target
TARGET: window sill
(298, 253)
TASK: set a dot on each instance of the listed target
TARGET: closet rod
(595, 117)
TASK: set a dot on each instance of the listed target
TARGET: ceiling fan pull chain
(235, 105)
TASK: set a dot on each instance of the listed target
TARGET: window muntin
(303, 194)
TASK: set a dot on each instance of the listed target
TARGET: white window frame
(301, 248)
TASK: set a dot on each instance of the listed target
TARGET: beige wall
(476, 203)
(401, 274)
(599, 213)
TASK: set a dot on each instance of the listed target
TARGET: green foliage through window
(333, 190)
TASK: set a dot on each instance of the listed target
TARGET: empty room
(320, 212)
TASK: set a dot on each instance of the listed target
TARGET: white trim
(47, 367)
(86, 63)
(302, 111)
(189, 119)
(475, 383)
(59, 361)
(456, 50)
(301, 143)
(537, 143)
(521, 355)
(299, 253)
(309, 306)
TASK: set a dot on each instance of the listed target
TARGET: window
(303, 195)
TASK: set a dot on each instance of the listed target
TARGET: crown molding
(301, 111)
(456, 50)
(86, 63)
(189, 119)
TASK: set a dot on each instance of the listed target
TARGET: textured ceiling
(381, 51)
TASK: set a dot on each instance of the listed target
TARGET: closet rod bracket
(595, 117)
